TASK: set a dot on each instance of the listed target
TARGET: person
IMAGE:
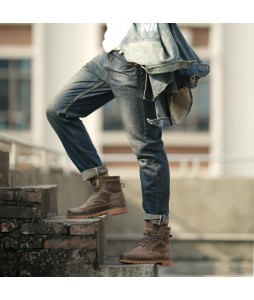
(111, 75)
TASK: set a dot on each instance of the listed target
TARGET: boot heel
(167, 263)
(118, 211)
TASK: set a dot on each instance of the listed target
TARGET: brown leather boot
(107, 198)
(154, 248)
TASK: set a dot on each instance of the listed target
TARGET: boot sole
(111, 212)
(168, 262)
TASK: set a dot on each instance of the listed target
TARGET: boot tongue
(96, 183)
(151, 228)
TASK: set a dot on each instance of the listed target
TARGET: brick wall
(34, 241)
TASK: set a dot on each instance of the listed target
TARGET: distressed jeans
(109, 76)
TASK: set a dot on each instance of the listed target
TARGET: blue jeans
(108, 76)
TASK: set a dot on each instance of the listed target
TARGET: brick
(58, 263)
(20, 212)
(11, 243)
(34, 196)
(1, 242)
(24, 243)
(89, 244)
(9, 265)
(32, 243)
(8, 226)
(25, 194)
(31, 258)
(6, 195)
(82, 229)
(47, 228)
(38, 196)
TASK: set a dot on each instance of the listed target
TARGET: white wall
(60, 50)
(239, 98)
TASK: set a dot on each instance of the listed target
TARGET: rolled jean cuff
(94, 172)
(157, 219)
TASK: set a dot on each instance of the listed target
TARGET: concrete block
(45, 227)
(111, 268)
(88, 231)
(57, 263)
(28, 202)
(187, 268)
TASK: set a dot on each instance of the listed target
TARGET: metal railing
(27, 155)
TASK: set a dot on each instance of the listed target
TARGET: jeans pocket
(122, 58)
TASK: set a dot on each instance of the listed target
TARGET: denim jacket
(172, 68)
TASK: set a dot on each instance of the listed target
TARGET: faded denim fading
(172, 68)
(109, 76)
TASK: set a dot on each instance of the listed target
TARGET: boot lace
(96, 190)
(147, 239)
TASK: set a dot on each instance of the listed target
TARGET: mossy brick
(21, 194)
(16, 195)
(46, 248)
(9, 265)
(47, 228)
(15, 200)
(11, 243)
(20, 212)
(80, 225)
(7, 226)
(17, 243)
(57, 263)
(6, 194)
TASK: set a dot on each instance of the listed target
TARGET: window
(15, 94)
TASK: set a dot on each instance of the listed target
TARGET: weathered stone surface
(47, 228)
(7, 226)
(80, 229)
(57, 263)
(28, 202)
(35, 242)
(183, 268)
(87, 225)
(20, 212)
(111, 268)
(89, 244)
(9, 266)
(21, 196)
(31, 245)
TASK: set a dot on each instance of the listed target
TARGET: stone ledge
(111, 268)
(188, 268)
(28, 202)
(92, 229)
(57, 263)
(51, 247)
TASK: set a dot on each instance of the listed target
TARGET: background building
(36, 60)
